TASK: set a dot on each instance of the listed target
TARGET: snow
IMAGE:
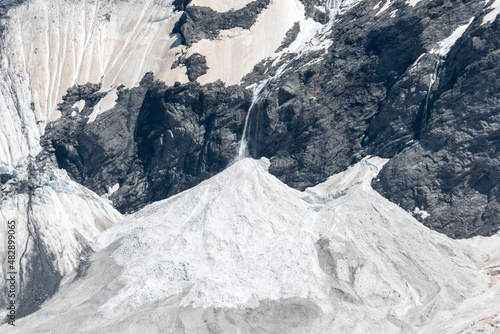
(422, 213)
(492, 15)
(386, 5)
(65, 215)
(413, 3)
(19, 125)
(79, 105)
(347, 5)
(114, 188)
(235, 53)
(221, 5)
(482, 312)
(243, 239)
(446, 44)
(204, 239)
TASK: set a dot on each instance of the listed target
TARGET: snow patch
(422, 213)
(111, 190)
(446, 44)
(386, 5)
(413, 3)
(492, 15)
(79, 105)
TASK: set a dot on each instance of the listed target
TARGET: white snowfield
(244, 253)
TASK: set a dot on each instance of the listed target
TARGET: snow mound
(244, 252)
(243, 237)
(238, 238)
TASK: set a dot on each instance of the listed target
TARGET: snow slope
(58, 214)
(243, 252)
(235, 53)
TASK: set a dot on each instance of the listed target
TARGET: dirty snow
(243, 239)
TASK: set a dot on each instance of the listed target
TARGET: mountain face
(149, 108)
(410, 83)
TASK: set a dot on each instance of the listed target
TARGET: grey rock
(453, 173)
(199, 23)
(156, 141)
(196, 65)
(290, 37)
(180, 5)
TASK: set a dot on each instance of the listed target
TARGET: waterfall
(256, 92)
(332, 7)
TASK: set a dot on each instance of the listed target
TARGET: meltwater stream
(332, 7)
(256, 97)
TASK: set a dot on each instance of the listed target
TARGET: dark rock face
(199, 23)
(88, 93)
(196, 65)
(187, 134)
(290, 37)
(377, 90)
(180, 5)
(454, 171)
(156, 141)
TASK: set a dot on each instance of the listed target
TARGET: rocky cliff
(410, 81)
